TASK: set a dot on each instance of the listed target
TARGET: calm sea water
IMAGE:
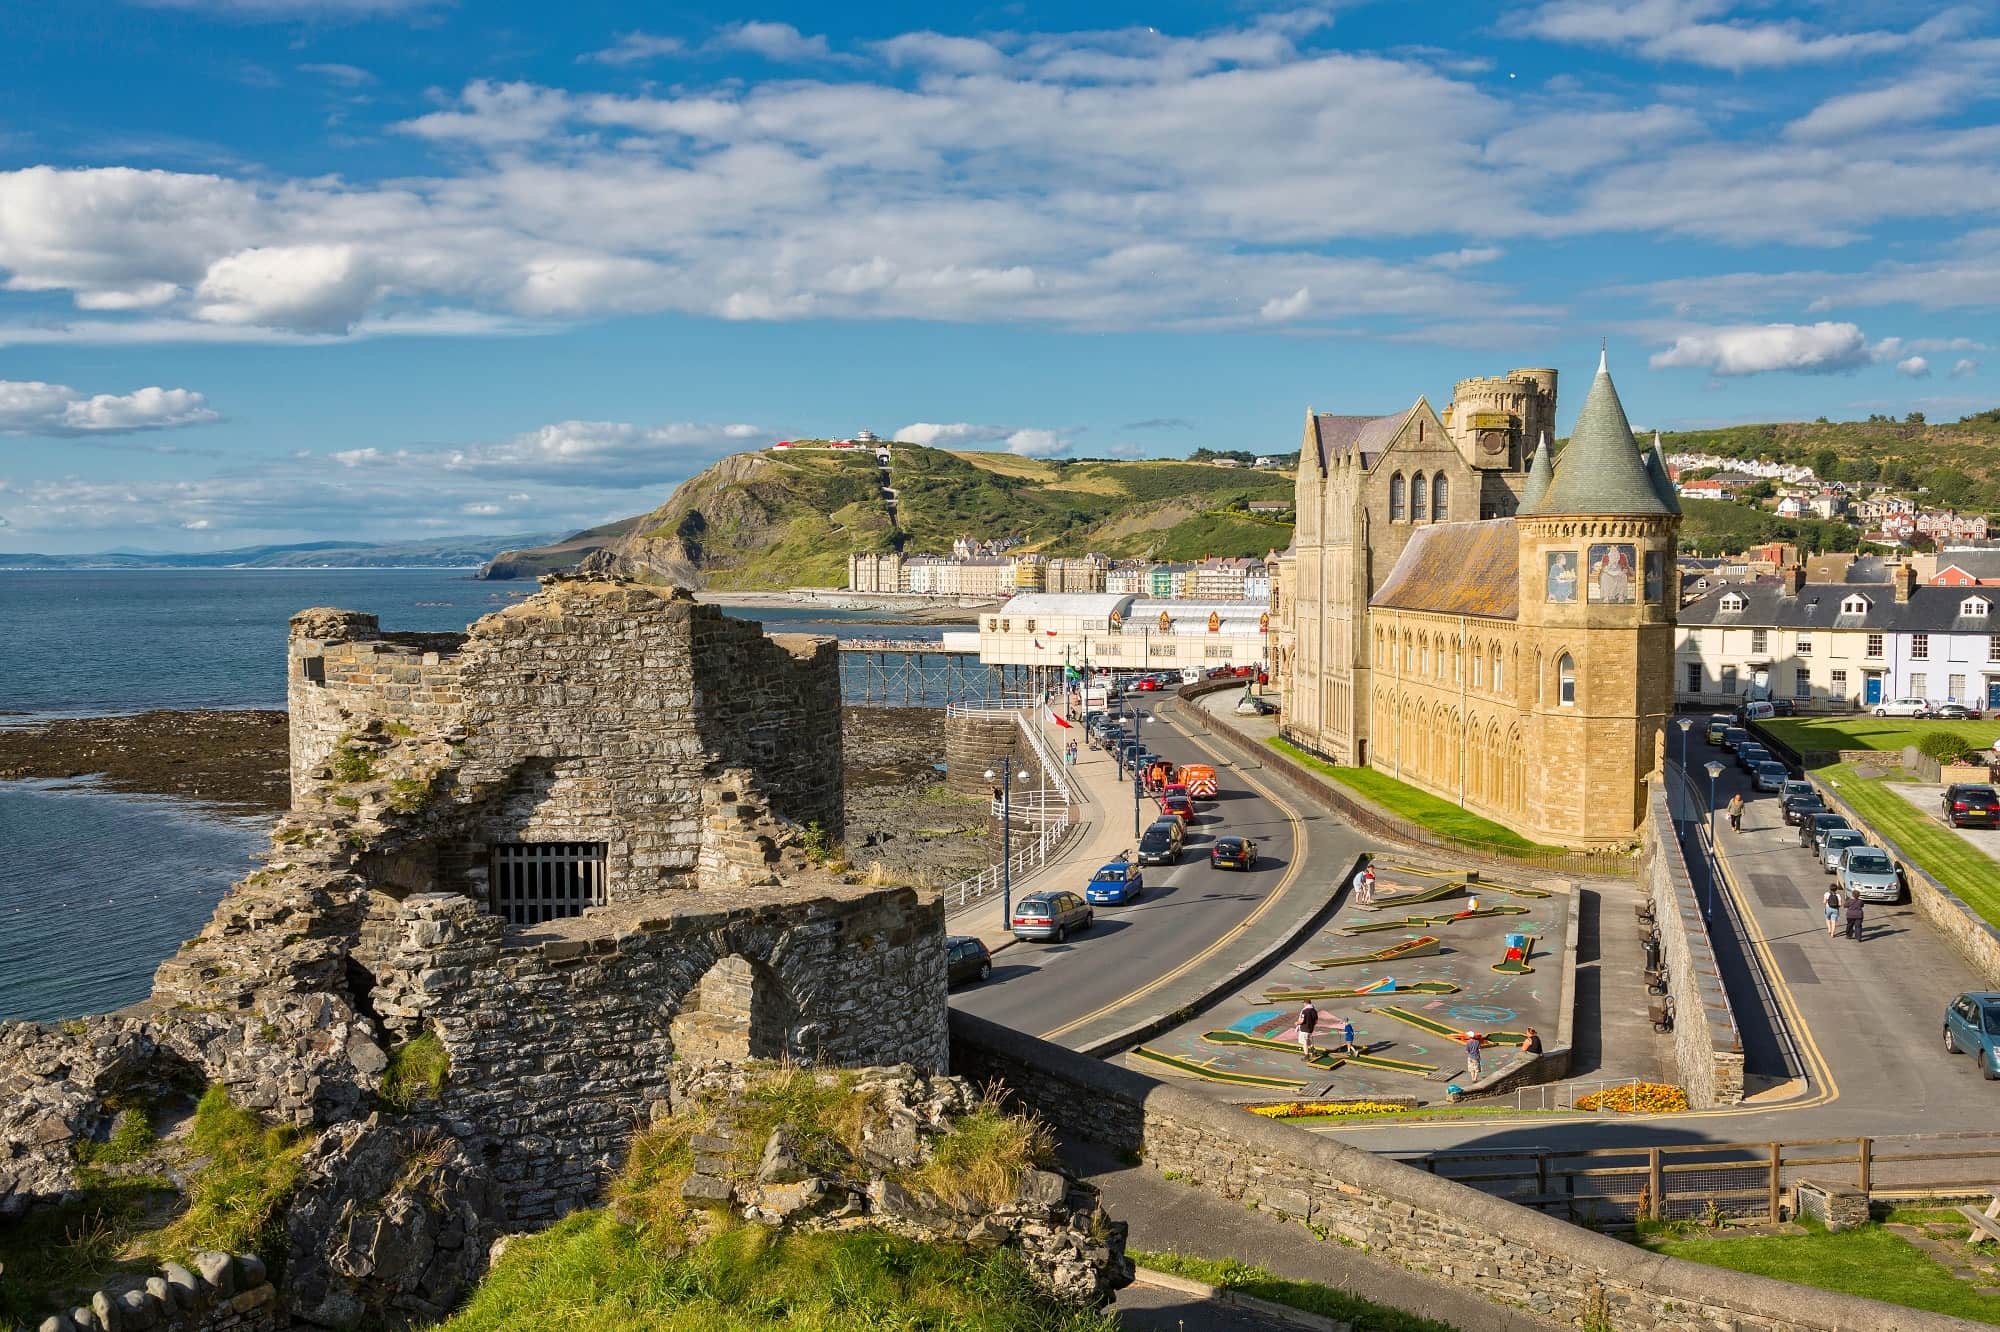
(97, 888)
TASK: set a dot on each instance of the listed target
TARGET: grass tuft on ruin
(350, 764)
(247, 1174)
(417, 1069)
(981, 1159)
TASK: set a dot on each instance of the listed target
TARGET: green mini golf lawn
(1865, 732)
(1419, 807)
(1949, 858)
(1871, 1262)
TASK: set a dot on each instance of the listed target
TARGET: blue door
(1993, 691)
(1874, 690)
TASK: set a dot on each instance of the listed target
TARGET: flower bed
(1640, 1098)
(1317, 1109)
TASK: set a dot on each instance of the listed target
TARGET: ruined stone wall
(342, 671)
(561, 1039)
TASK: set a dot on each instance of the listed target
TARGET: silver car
(1869, 872)
(1769, 775)
(1836, 844)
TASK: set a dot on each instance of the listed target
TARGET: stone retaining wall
(224, 1294)
(1509, 1254)
(1708, 1048)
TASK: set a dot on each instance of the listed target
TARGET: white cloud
(1752, 349)
(304, 288)
(1029, 442)
(1468, 257)
(1702, 32)
(30, 407)
(1925, 97)
(1916, 367)
(1037, 443)
(636, 48)
(1964, 366)
(779, 42)
(348, 76)
(1282, 308)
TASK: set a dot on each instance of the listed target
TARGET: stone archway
(738, 1010)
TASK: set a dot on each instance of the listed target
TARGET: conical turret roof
(1540, 470)
(1602, 471)
(1663, 485)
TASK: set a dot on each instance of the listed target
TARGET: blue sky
(285, 269)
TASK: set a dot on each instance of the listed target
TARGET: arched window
(1396, 498)
(1566, 681)
(1418, 493)
(1424, 655)
(1440, 498)
(1499, 675)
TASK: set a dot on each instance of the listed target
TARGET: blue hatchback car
(1972, 1026)
(1115, 884)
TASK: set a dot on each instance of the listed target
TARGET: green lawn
(1419, 807)
(1866, 732)
(1362, 1315)
(1949, 858)
(1870, 1261)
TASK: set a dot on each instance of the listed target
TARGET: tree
(1826, 463)
(1914, 418)
(1950, 486)
(1860, 469)
(1760, 490)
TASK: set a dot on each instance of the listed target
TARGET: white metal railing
(1031, 857)
(999, 708)
(1053, 768)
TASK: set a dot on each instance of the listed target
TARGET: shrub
(1944, 746)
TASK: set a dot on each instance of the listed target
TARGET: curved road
(1188, 909)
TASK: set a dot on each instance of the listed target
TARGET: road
(1055, 989)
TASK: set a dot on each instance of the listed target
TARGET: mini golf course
(1424, 946)
(1320, 1058)
(1387, 985)
(1436, 1028)
(1425, 922)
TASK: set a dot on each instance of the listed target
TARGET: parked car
(1971, 802)
(1733, 737)
(1718, 723)
(1160, 844)
(1799, 808)
(1115, 883)
(1251, 706)
(1972, 1026)
(1813, 830)
(1869, 872)
(1769, 776)
(1796, 786)
(1903, 707)
(1148, 685)
(1238, 853)
(1953, 710)
(966, 959)
(1761, 710)
(1837, 842)
(1784, 707)
(1177, 806)
(1749, 754)
(1051, 915)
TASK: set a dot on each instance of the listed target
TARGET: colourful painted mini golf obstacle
(1424, 946)
(1326, 1059)
(1425, 922)
(1387, 985)
(1210, 1073)
(1520, 947)
(1414, 897)
(1436, 1028)
(1516, 890)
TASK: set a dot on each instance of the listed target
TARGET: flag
(1062, 721)
(1038, 645)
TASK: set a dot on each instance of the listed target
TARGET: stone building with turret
(1476, 617)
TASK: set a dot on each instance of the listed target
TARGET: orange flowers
(1639, 1098)
(1316, 1109)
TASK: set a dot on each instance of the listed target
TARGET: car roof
(1773, 763)
(1114, 867)
(1982, 996)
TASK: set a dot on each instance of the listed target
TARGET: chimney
(1794, 578)
(1904, 576)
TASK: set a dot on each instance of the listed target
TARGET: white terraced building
(1117, 631)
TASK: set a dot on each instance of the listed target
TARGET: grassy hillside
(1724, 527)
(1958, 461)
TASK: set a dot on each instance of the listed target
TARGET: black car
(1816, 826)
(1971, 803)
(1801, 807)
(966, 959)
(1953, 711)
(1733, 736)
(1239, 853)
(1784, 707)
(1749, 754)
(1160, 844)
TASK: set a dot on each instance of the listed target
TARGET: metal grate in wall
(538, 881)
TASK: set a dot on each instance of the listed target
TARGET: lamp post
(1137, 717)
(1686, 724)
(1714, 847)
(1006, 840)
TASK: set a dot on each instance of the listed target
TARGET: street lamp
(1686, 724)
(1714, 847)
(1006, 841)
(1137, 717)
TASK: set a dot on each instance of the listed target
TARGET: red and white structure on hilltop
(863, 439)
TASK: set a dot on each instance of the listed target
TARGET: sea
(98, 887)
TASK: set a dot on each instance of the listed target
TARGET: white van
(1190, 675)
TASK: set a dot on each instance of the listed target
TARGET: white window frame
(1803, 645)
(1873, 646)
(1920, 647)
(1566, 681)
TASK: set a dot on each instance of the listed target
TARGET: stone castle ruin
(582, 838)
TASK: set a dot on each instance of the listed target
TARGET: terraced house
(1839, 647)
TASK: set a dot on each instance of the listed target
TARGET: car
(1238, 853)
(1903, 707)
(966, 959)
(1749, 754)
(1160, 844)
(1178, 806)
(1813, 830)
(1971, 802)
(1148, 685)
(1768, 776)
(1836, 842)
(1799, 808)
(1115, 883)
(1733, 737)
(1761, 710)
(1051, 915)
(1251, 706)
(1952, 710)
(1219, 672)
(1718, 723)
(1784, 707)
(1868, 872)
(1796, 786)
(1972, 1026)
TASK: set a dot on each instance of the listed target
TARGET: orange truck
(1200, 779)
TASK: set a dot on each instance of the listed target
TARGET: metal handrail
(1052, 766)
(998, 708)
(1030, 857)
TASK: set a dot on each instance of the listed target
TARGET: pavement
(1928, 797)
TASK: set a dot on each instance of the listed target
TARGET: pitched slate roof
(1930, 610)
(1602, 471)
(1663, 483)
(1369, 436)
(1978, 563)
(1457, 569)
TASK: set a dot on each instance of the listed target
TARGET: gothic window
(1419, 492)
(1499, 681)
(1440, 498)
(1566, 681)
(1396, 498)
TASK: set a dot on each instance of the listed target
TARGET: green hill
(773, 519)
(1957, 462)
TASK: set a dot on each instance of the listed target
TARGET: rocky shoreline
(898, 812)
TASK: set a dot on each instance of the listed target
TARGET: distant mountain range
(455, 552)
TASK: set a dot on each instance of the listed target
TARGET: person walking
(1736, 812)
(1473, 1044)
(1308, 1019)
(1833, 907)
(1854, 911)
(1347, 1037)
